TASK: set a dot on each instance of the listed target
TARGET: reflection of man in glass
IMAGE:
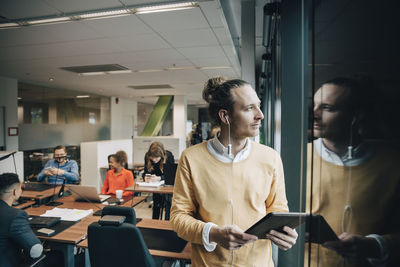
(60, 168)
(355, 183)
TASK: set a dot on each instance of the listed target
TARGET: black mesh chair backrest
(117, 246)
(129, 213)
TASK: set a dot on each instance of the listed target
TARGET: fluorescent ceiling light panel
(9, 25)
(98, 14)
(166, 7)
(92, 73)
(49, 20)
(118, 71)
(182, 68)
(102, 14)
(215, 67)
(154, 70)
(82, 96)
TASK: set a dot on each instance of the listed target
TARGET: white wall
(123, 118)
(51, 135)
(8, 99)
(94, 157)
(7, 165)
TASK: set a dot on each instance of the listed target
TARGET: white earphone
(229, 135)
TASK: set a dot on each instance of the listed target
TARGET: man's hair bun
(211, 86)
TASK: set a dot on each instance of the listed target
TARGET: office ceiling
(197, 37)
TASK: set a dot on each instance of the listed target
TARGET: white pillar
(8, 100)
(180, 118)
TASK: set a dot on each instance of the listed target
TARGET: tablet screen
(276, 221)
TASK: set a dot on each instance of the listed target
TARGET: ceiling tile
(202, 52)
(141, 42)
(71, 6)
(210, 61)
(223, 36)
(213, 13)
(16, 9)
(175, 20)
(118, 26)
(190, 38)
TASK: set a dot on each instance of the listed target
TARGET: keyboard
(37, 186)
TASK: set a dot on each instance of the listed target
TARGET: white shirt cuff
(36, 251)
(384, 253)
(209, 246)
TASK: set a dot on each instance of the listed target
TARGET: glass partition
(353, 168)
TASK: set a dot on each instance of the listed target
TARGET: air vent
(95, 68)
(151, 86)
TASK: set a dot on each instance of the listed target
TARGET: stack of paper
(68, 214)
(151, 184)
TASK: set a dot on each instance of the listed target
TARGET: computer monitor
(169, 173)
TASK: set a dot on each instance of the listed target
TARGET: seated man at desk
(60, 168)
(16, 236)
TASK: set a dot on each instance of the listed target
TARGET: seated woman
(118, 178)
(154, 162)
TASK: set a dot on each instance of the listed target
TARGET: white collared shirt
(220, 152)
(359, 154)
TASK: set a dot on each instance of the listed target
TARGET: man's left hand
(283, 240)
(354, 247)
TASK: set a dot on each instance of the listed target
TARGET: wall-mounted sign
(12, 131)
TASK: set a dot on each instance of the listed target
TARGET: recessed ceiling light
(82, 96)
(118, 71)
(19, 98)
(215, 67)
(98, 14)
(49, 20)
(150, 70)
(92, 73)
(182, 68)
(51, 79)
(165, 7)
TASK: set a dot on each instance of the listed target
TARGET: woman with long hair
(154, 163)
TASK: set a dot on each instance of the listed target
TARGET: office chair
(121, 245)
(129, 213)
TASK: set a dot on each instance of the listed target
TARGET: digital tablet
(276, 221)
(318, 230)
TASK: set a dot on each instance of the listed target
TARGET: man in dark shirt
(16, 236)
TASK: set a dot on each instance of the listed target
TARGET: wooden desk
(39, 196)
(156, 224)
(67, 239)
(165, 189)
(27, 204)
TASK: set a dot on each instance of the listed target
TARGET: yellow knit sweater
(373, 189)
(203, 188)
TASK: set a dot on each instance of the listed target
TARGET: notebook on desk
(40, 221)
(86, 193)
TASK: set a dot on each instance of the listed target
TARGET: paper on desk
(151, 184)
(68, 214)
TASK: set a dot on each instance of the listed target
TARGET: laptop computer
(169, 173)
(86, 193)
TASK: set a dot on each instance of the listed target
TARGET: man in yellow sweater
(225, 185)
(355, 184)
